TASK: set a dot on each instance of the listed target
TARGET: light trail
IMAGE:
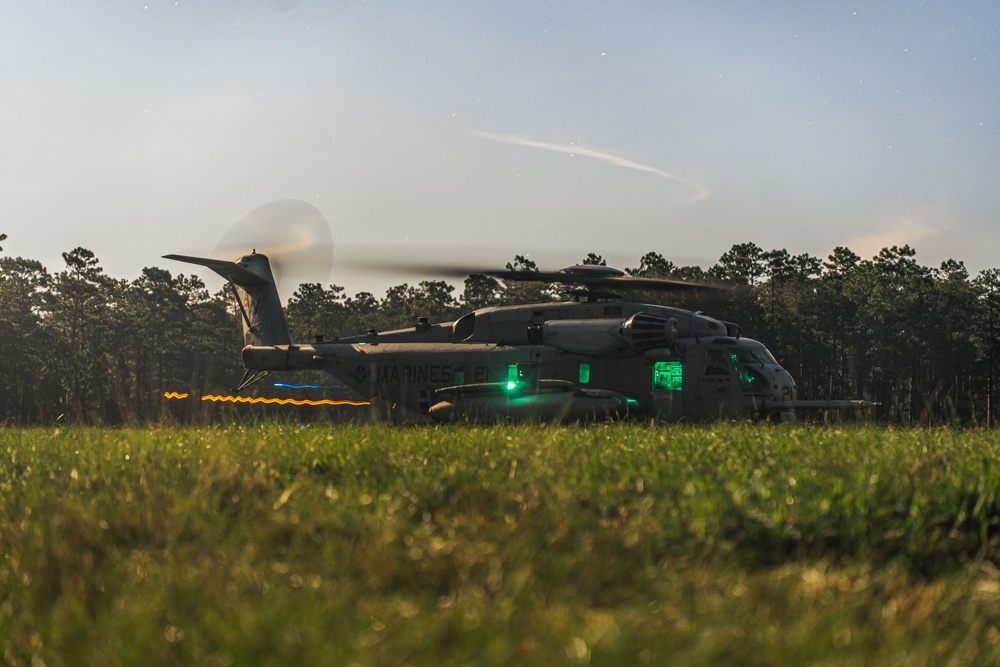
(261, 399)
(279, 401)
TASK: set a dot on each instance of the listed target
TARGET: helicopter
(594, 358)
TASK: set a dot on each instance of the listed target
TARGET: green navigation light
(511, 377)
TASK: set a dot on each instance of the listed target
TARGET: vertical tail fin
(253, 283)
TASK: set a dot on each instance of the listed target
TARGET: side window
(715, 362)
(667, 376)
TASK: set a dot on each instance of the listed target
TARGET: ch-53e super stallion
(598, 357)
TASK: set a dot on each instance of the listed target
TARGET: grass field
(280, 545)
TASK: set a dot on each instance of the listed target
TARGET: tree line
(79, 346)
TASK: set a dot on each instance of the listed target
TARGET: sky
(468, 132)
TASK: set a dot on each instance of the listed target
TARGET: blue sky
(473, 131)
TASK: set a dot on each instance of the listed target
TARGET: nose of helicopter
(784, 391)
(783, 386)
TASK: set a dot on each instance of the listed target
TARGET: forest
(81, 347)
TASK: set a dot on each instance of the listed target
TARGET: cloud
(935, 233)
(701, 192)
(912, 227)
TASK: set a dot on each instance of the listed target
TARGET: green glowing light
(511, 377)
(667, 376)
(584, 373)
(745, 378)
(749, 378)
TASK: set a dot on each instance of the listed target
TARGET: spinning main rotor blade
(297, 239)
(602, 280)
(589, 276)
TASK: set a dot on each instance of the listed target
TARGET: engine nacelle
(611, 337)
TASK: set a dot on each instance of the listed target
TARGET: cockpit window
(750, 378)
(750, 353)
(715, 362)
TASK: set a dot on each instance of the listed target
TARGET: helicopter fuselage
(556, 361)
(592, 359)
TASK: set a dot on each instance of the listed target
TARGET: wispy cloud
(700, 191)
(911, 227)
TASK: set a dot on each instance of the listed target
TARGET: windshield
(745, 356)
(752, 353)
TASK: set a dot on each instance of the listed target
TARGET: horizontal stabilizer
(231, 271)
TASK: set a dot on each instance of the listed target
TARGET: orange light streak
(279, 401)
(259, 399)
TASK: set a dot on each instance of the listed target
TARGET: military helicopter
(597, 357)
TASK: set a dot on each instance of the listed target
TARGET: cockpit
(757, 369)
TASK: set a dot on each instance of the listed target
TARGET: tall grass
(498, 545)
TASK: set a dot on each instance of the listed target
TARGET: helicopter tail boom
(256, 295)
